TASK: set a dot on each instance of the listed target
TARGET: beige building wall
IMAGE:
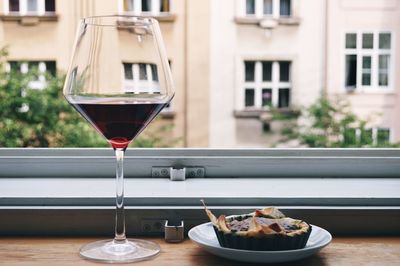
(235, 39)
(365, 16)
(185, 32)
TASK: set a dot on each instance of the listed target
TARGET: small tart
(265, 229)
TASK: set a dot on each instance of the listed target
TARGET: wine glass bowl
(119, 80)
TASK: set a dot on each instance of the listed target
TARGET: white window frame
(374, 53)
(137, 8)
(258, 85)
(259, 9)
(23, 8)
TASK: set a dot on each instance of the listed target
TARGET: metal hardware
(174, 233)
(177, 173)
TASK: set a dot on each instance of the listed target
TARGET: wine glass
(119, 80)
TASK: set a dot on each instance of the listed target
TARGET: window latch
(177, 173)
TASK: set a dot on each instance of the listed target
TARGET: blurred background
(248, 73)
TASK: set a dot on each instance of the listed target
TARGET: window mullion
(275, 84)
(23, 7)
(6, 7)
(41, 7)
(275, 8)
(359, 61)
(135, 69)
(259, 8)
(155, 7)
(258, 84)
(137, 7)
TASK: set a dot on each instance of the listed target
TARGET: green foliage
(332, 124)
(50, 120)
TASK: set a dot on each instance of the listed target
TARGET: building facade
(234, 60)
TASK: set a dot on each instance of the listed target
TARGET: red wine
(119, 122)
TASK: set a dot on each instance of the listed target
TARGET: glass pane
(267, 7)
(128, 71)
(142, 72)
(366, 137)
(32, 5)
(384, 40)
(284, 97)
(284, 71)
(383, 136)
(349, 136)
(50, 6)
(249, 70)
(266, 97)
(13, 5)
(383, 79)
(250, 7)
(51, 67)
(366, 70)
(266, 71)
(249, 98)
(146, 5)
(351, 70)
(284, 8)
(367, 41)
(351, 40)
(164, 6)
(154, 72)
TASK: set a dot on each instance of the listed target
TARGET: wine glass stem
(119, 212)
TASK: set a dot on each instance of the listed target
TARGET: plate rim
(320, 246)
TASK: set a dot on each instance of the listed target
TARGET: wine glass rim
(112, 20)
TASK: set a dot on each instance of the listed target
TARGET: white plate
(205, 237)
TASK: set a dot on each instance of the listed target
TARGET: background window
(283, 100)
(351, 41)
(50, 5)
(367, 41)
(383, 70)
(249, 70)
(266, 84)
(351, 71)
(32, 6)
(374, 60)
(267, 70)
(284, 9)
(267, 7)
(128, 71)
(249, 97)
(13, 5)
(366, 71)
(250, 7)
(284, 68)
(384, 40)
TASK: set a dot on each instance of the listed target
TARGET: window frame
(23, 9)
(51, 213)
(374, 87)
(258, 85)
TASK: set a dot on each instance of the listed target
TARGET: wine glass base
(111, 251)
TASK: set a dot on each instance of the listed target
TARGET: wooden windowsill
(64, 251)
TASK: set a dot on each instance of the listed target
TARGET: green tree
(50, 121)
(332, 124)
